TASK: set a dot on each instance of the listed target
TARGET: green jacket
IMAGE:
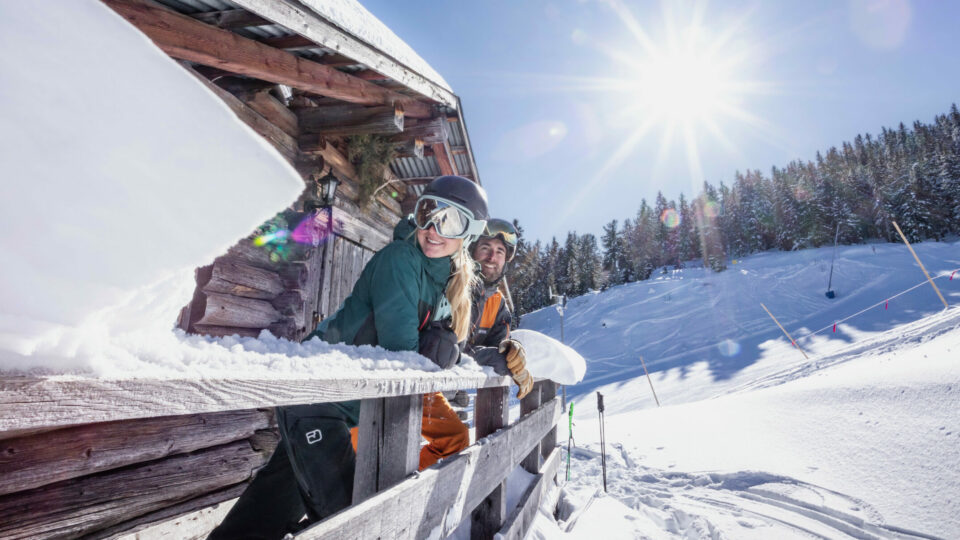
(399, 290)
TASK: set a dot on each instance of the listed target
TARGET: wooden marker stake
(784, 331)
(932, 284)
(644, 364)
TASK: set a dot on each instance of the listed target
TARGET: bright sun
(687, 83)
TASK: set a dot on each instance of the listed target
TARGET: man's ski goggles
(449, 220)
(503, 229)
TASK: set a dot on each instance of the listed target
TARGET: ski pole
(603, 446)
(569, 437)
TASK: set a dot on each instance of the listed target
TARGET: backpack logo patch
(314, 436)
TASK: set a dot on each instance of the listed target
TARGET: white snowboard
(547, 358)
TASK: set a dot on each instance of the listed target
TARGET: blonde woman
(413, 295)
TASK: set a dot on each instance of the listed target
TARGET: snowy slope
(862, 440)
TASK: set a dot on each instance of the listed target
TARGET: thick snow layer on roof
(350, 16)
(121, 174)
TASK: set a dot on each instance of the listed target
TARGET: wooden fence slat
(548, 391)
(491, 411)
(400, 441)
(528, 404)
(84, 505)
(37, 402)
(368, 449)
(37, 460)
(432, 503)
(388, 443)
(522, 516)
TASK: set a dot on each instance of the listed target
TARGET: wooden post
(932, 284)
(549, 442)
(784, 331)
(528, 404)
(490, 414)
(388, 443)
(644, 364)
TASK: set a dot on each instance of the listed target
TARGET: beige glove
(517, 364)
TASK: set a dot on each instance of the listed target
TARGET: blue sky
(569, 104)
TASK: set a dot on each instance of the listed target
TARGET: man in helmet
(489, 341)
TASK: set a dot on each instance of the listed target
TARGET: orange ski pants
(445, 433)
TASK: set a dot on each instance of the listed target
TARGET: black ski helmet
(461, 191)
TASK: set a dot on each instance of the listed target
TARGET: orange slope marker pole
(784, 331)
(932, 284)
(644, 364)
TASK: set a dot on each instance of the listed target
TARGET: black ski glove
(439, 343)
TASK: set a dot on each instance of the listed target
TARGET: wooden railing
(97, 458)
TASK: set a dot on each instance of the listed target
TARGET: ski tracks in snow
(745, 504)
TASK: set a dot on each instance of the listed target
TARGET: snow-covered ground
(753, 440)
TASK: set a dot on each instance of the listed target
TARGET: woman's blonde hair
(463, 280)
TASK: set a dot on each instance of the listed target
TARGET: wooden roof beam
(430, 132)
(183, 37)
(231, 18)
(327, 122)
(444, 159)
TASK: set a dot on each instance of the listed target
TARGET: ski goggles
(505, 231)
(448, 219)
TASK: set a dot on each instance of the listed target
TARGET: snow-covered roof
(352, 17)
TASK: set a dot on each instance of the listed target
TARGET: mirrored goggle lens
(448, 220)
(509, 235)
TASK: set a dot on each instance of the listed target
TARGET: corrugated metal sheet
(411, 167)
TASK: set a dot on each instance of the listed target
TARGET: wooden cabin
(321, 82)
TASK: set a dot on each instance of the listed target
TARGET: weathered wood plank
(236, 311)
(443, 159)
(223, 331)
(400, 443)
(75, 507)
(491, 412)
(317, 117)
(303, 20)
(275, 112)
(384, 123)
(182, 37)
(388, 443)
(432, 503)
(522, 516)
(231, 18)
(369, 429)
(31, 402)
(239, 279)
(37, 460)
(528, 404)
(430, 132)
(190, 520)
(548, 391)
(326, 307)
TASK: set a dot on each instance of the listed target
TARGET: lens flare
(276, 237)
(710, 209)
(314, 229)
(670, 218)
(729, 348)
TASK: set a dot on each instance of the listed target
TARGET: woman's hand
(439, 343)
